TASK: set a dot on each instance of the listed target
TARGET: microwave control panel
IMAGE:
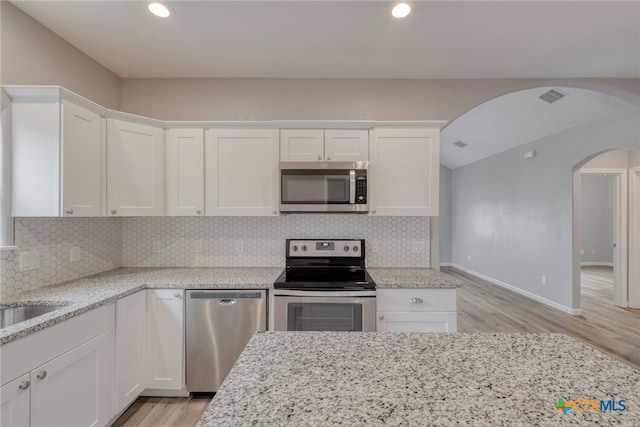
(361, 188)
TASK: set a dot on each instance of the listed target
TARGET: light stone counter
(90, 292)
(420, 379)
(412, 278)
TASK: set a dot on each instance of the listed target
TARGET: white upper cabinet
(185, 172)
(58, 160)
(135, 155)
(404, 172)
(308, 145)
(241, 173)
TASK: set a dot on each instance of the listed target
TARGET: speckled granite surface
(90, 292)
(420, 379)
(412, 278)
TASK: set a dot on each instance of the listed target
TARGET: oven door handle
(297, 293)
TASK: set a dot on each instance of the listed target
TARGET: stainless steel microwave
(324, 187)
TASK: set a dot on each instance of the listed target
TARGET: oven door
(324, 310)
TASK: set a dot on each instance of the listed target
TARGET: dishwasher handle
(227, 301)
(228, 295)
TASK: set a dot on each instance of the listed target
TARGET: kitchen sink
(12, 315)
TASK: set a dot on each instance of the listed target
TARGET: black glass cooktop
(325, 278)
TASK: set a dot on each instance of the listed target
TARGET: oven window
(324, 317)
(300, 187)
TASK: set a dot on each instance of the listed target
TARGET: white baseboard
(563, 308)
(597, 264)
(447, 264)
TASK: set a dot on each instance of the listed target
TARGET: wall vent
(552, 96)
(460, 144)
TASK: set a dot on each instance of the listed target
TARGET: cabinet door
(165, 339)
(131, 345)
(301, 145)
(83, 162)
(404, 172)
(135, 167)
(241, 176)
(346, 145)
(75, 389)
(416, 322)
(14, 402)
(185, 172)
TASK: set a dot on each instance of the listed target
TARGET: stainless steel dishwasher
(219, 325)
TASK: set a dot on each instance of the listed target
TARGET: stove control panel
(324, 248)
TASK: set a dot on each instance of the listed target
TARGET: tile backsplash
(97, 243)
(260, 241)
(101, 244)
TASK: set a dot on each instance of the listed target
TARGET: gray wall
(445, 215)
(513, 217)
(34, 55)
(596, 208)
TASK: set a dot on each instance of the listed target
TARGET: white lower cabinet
(165, 339)
(62, 375)
(416, 310)
(131, 348)
(15, 398)
(74, 389)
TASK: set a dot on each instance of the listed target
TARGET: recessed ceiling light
(159, 9)
(401, 10)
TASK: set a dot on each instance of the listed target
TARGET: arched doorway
(512, 209)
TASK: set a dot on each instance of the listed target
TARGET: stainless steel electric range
(325, 287)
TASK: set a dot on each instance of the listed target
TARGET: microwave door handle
(352, 186)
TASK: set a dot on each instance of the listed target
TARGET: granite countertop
(418, 379)
(412, 278)
(87, 293)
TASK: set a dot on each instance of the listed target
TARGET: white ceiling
(353, 39)
(359, 39)
(518, 118)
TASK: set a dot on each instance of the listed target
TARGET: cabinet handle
(198, 212)
(328, 158)
(178, 295)
(275, 212)
(373, 212)
(69, 211)
(319, 157)
(42, 375)
(24, 385)
(113, 212)
(416, 300)
(381, 317)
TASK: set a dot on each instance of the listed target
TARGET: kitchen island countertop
(412, 278)
(419, 379)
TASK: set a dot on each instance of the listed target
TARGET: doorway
(603, 235)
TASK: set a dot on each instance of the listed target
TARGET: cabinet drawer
(413, 300)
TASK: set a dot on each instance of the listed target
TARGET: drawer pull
(415, 300)
(381, 317)
(24, 385)
(42, 375)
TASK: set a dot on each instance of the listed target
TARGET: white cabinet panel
(346, 145)
(75, 389)
(15, 402)
(185, 172)
(416, 310)
(241, 176)
(404, 172)
(58, 160)
(165, 339)
(135, 155)
(335, 145)
(83, 162)
(416, 322)
(301, 145)
(131, 345)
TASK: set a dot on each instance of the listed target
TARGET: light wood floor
(482, 307)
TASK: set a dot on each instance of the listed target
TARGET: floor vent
(552, 96)
(460, 144)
